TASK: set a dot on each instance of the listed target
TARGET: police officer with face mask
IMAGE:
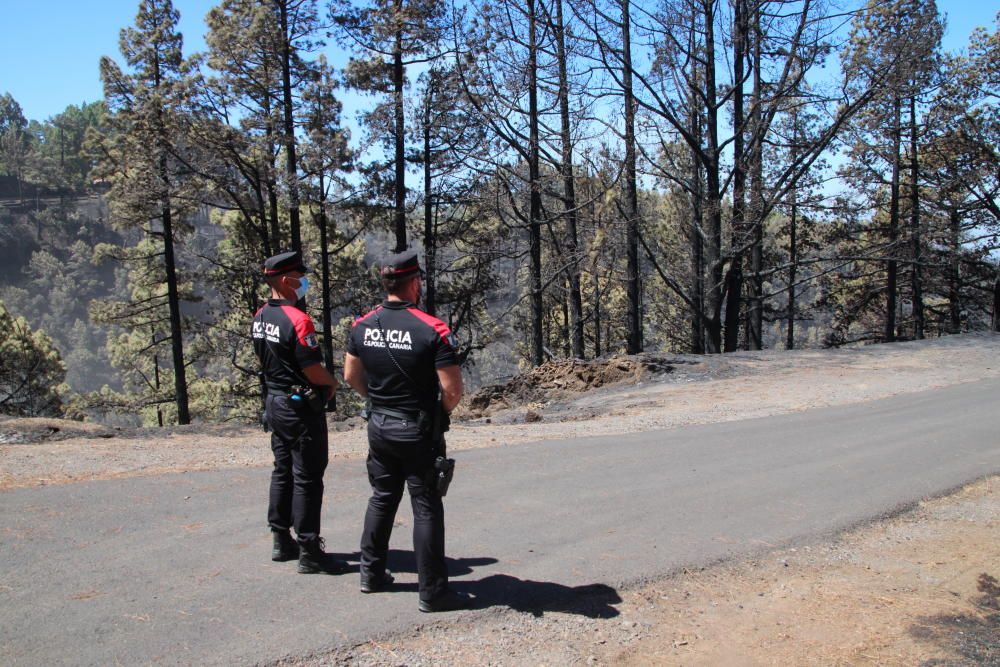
(297, 387)
(402, 360)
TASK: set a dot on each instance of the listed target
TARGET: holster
(444, 470)
(264, 421)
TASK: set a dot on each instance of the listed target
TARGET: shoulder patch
(303, 325)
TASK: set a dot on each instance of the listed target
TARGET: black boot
(448, 601)
(313, 560)
(373, 584)
(284, 548)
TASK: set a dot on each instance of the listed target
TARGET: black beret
(284, 262)
(400, 265)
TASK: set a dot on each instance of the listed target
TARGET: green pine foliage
(31, 370)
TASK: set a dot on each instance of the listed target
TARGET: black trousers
(398, 454)
(301, 452)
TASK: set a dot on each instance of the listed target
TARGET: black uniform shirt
(284, 339)
(420, 344)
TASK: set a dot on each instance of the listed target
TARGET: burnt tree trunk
(713, 189)
(734, 276)
(697, 238)
(430, 235)
(633, 340)
(697, 270)
(954, 272)
(399, 137)
(569, 196)
(291, 166)
(755, 316)
(322, 222)
(916, 277)
(891, 267)
(535, 203)
(170, 267)
(793, 250)
(271, 182)
(996, 305)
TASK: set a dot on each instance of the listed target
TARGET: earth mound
(558, 379)
(31, 430)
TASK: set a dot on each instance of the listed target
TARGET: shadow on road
(974, 636)
(538, 597)
(404, 561)
(503, 590)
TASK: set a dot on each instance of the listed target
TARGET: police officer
(401, 358)
(297, 387)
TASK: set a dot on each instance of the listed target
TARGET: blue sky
(49, 51)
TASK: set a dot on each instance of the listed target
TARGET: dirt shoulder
(679, 390)
(918, 589)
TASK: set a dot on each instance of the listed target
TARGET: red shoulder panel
(302, 322)
(440, 327)
(366, 315)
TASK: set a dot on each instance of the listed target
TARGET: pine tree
(893, 42)
(393, 35)
(500, 68)
(14, 140)
(451, 138)
(142, 148)
(325, 160)
(241, 103)
(31, 370)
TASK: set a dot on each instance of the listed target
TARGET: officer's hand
(318, 376)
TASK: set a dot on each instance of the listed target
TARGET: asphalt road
(175, 569)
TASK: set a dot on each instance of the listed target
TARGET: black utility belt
(303, 394)
(294, 390)
(398, 414)
(424, 420)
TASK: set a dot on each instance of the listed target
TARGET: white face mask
(300, 291)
